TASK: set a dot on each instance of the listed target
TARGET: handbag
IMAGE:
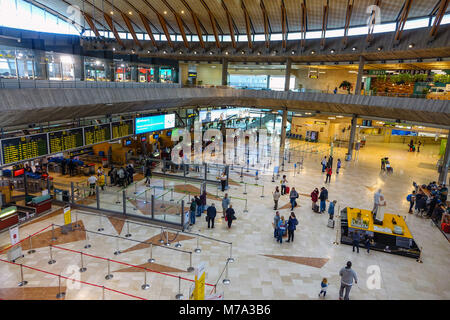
(207, 218)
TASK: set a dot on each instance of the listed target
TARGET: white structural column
(287, 82)
(224, 72)
(351, 140)
(445, 163)
(359, 76)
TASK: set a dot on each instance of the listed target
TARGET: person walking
(347, 276)
(291, 226)
(411, 198)
(324, 163)
(368, 243)
(110, 175)
(211, 215)
(276, 219)
(148, 175)
(338, 166)
(323, 196)
(283, 185)
(335, 90)
(376, 201)
(121, 176)
(276, 197)
(331, 209)
(293, 196)
(356, 238)
(230, 215)
(192, 210)
(418, 145)
(101, 181)
(225, 204)
(329, 171)
(92, 180)
(323, 287)
(223, 181)
(314, 197)
(130, 171)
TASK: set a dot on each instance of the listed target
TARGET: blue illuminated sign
(155, 123)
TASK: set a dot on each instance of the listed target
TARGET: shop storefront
(96, 69)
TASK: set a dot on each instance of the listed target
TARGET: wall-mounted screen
(24, 148)
(65, 140)
(97, 134)
(403, 133)
(155, 123)
(122, 129)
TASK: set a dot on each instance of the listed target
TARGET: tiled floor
(263, 268)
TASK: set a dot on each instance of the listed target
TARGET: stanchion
(83, 268)
(226, 281)
(167, 243)
(135, 188)
(151, 260)
(60, 294)
(109, 275)
(161, 240)
(245, 188)
(145, 195)
(217, 192)
(231, 259)
(87, 245)
(128, 230)
(337, 226)
(178, 244)
(31, 246)
(197, 250)
(77, 225)
(22, 282)
(164, 183)
(171, 195)
(53, 233)
(118, 198)
(273, 177)
(189, 197)
(51, 261)
(117, 252)
(245, 208)
(100, 224)
(262, 191)
(162, 199)
(179, 296)
(190, 268)
(145, 286)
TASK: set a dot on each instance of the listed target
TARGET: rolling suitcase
(288, 190)
(316, 208)
(330, 223)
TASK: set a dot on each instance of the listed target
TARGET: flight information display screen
(24, 148)
(122, 129)
(155, 123)
(60, 141)
(97, 134)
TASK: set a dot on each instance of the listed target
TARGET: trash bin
(58, 195)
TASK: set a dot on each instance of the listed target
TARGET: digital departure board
(24, 148)
(97, 134)
(122, 129)
(60, 141)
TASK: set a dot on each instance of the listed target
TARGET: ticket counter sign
(67, 216)
(199, 287)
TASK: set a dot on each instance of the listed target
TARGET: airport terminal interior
(224, 149)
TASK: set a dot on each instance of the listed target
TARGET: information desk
(384, 238)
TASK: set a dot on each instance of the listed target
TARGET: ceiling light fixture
(354, 49)
(411, 45)
(293, 52)
(380, 48)
(130, 13)
(165, 12)
(182, 11)
(112, 12)
(312, 52)
(332, 50)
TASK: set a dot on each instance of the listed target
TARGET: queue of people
(123, 176)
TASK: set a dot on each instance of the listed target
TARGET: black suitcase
(316, 208)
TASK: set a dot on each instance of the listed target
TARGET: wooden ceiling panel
(273, 8)
(186, 17)
(294, 14)
(336, 14)
(235, 9)
(255, 13)
(315, 13)
(419, 8)
(389, 9)
(359, 12)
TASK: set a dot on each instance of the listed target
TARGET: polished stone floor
(263, 268)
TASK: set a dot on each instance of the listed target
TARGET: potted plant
(346, 86)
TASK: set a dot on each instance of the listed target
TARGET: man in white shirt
(92, 180)
(376, 201)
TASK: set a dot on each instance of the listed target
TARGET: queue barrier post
(82, 268)
(178, 244)
(197, 249)
(109, 275)
(419, 259)
(87, 245)
(161, 240)
(262, 191)
(162, 199)
(128, 230)
(53, 233)
(151, 260)
(22, 281)
(179, 296)
(145, 286)
(167, 243)
(31, 246)
(338, 226)
(145, 195)
(51, 261)
(226, 279)
(103, 292)
(245, 188)
(231, 259)
(60, 294)
(245, 208)
(77, 225)
(117, 252)
(171, 194)
(100, 224)
(190, 268)
(118, 198)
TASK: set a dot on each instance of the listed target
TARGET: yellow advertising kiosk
(198, 292)
(392, 236)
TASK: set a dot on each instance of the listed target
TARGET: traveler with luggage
(292, 226)
(356, 238)
(338, 166)
(230, 215)
(411, 198)
(328, 178)
(281, 229)
(323, 196)
(276, 219)
(148, 175)
(225, 204)
(331, 209)
(324, 163)
(192, 210)
(314, 198)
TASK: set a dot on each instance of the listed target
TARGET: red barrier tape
(83, 282)
(25, 238)
(127, 264)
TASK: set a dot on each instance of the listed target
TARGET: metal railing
(33, 84)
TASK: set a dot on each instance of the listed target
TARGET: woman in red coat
(314, 197)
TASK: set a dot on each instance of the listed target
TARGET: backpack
(408, 198)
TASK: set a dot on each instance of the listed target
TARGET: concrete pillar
(224, 72)
(283, 130)
(359, 76)
(445, 163)
(352, 138)
(287, 77)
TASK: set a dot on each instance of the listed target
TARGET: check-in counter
(8, 217)
(41, 203)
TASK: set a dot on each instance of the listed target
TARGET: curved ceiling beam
(230, 24)
(283, 25)
(440, 14)
(402, 20)
(304, 23)
(324, 24)
(110, 23)
(139, 13)
(91, 24)
(266, 23)
(213, 22)
(180, 23)
(131, 29)
(348, 15)
(372, 20)
(145, 22)
(247, 25)
(197, 23)
(159, 18)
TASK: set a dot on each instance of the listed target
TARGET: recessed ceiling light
(112, 12)
(339, 116)
(165, 12)
(259, 53)
(130, 13)
(114, 49)
(380, 48)
(242, 52)
(293, 52)
(354, 49)
(226, 52)
(411, 45)
(332, 118)
(210, 52)
(312, 52)
(182, 11)
(181, 52)
(332, 50)
(164, 51)
(148, 51)
(195, 52)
